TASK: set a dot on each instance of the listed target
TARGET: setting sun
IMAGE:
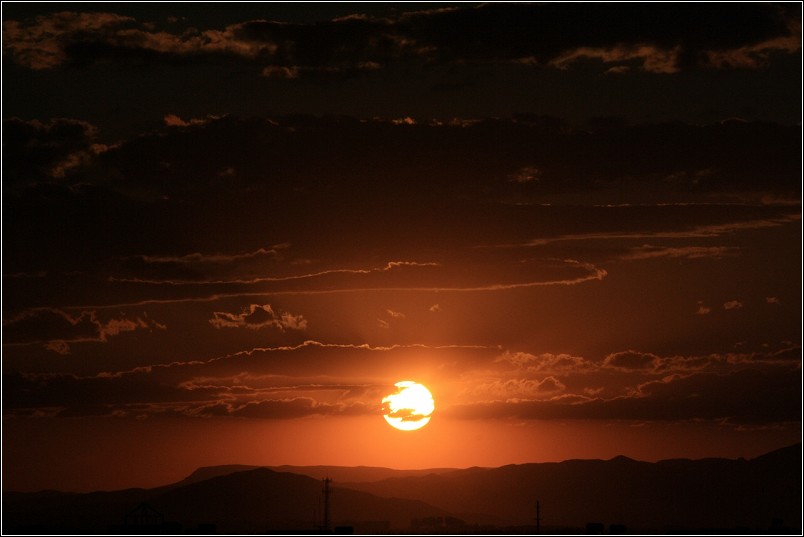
(409, 407)
(576, 224)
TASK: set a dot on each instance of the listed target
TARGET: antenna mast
(327, 481)
(538, 518)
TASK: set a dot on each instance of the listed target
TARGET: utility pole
(538, 518)
(327, 481)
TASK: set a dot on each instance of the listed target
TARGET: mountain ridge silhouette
(245, 501)
(685, 493)
(665, 496)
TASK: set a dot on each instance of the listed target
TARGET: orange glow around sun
(409, 407)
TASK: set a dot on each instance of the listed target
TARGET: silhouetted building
(145, 520)
(437, 524)
(369, 527)
(594, 528)
(144, 516)
(617, 529)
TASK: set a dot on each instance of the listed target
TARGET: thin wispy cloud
(648, 251)
(698, 232)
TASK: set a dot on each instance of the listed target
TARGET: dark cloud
(646, 364)
(663, 38)
(233, 380)
(78, 227)
(84, 38)
(74, 395)
(733, 305)
(703, 309)
(298, 407)
(56, 329)
(147, 391)
(172, 180)
(258, 316)
(168, 186)
(745, 396)
(485, 155)
(404, 414)
(197, 266)
(41, 43)
(36, 151)
(517, 388)
(50, 324)
(631, 360)
(548, 33)
(268, 382)
(548, 363)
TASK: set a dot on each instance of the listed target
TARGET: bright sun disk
(409, 407)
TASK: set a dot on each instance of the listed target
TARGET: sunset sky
(228, 230)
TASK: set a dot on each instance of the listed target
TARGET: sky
(229, 229)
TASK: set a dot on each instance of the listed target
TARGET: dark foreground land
(621, 495)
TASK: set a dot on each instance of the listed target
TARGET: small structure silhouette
(145, 520)
(144, 516)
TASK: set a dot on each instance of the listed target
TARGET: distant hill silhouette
(250, 501)
(352, 474)
(261, 499)
(664, 496)
(668, 496)
(357, 474)
(208, 472)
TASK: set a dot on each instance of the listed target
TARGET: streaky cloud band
(593, 273)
